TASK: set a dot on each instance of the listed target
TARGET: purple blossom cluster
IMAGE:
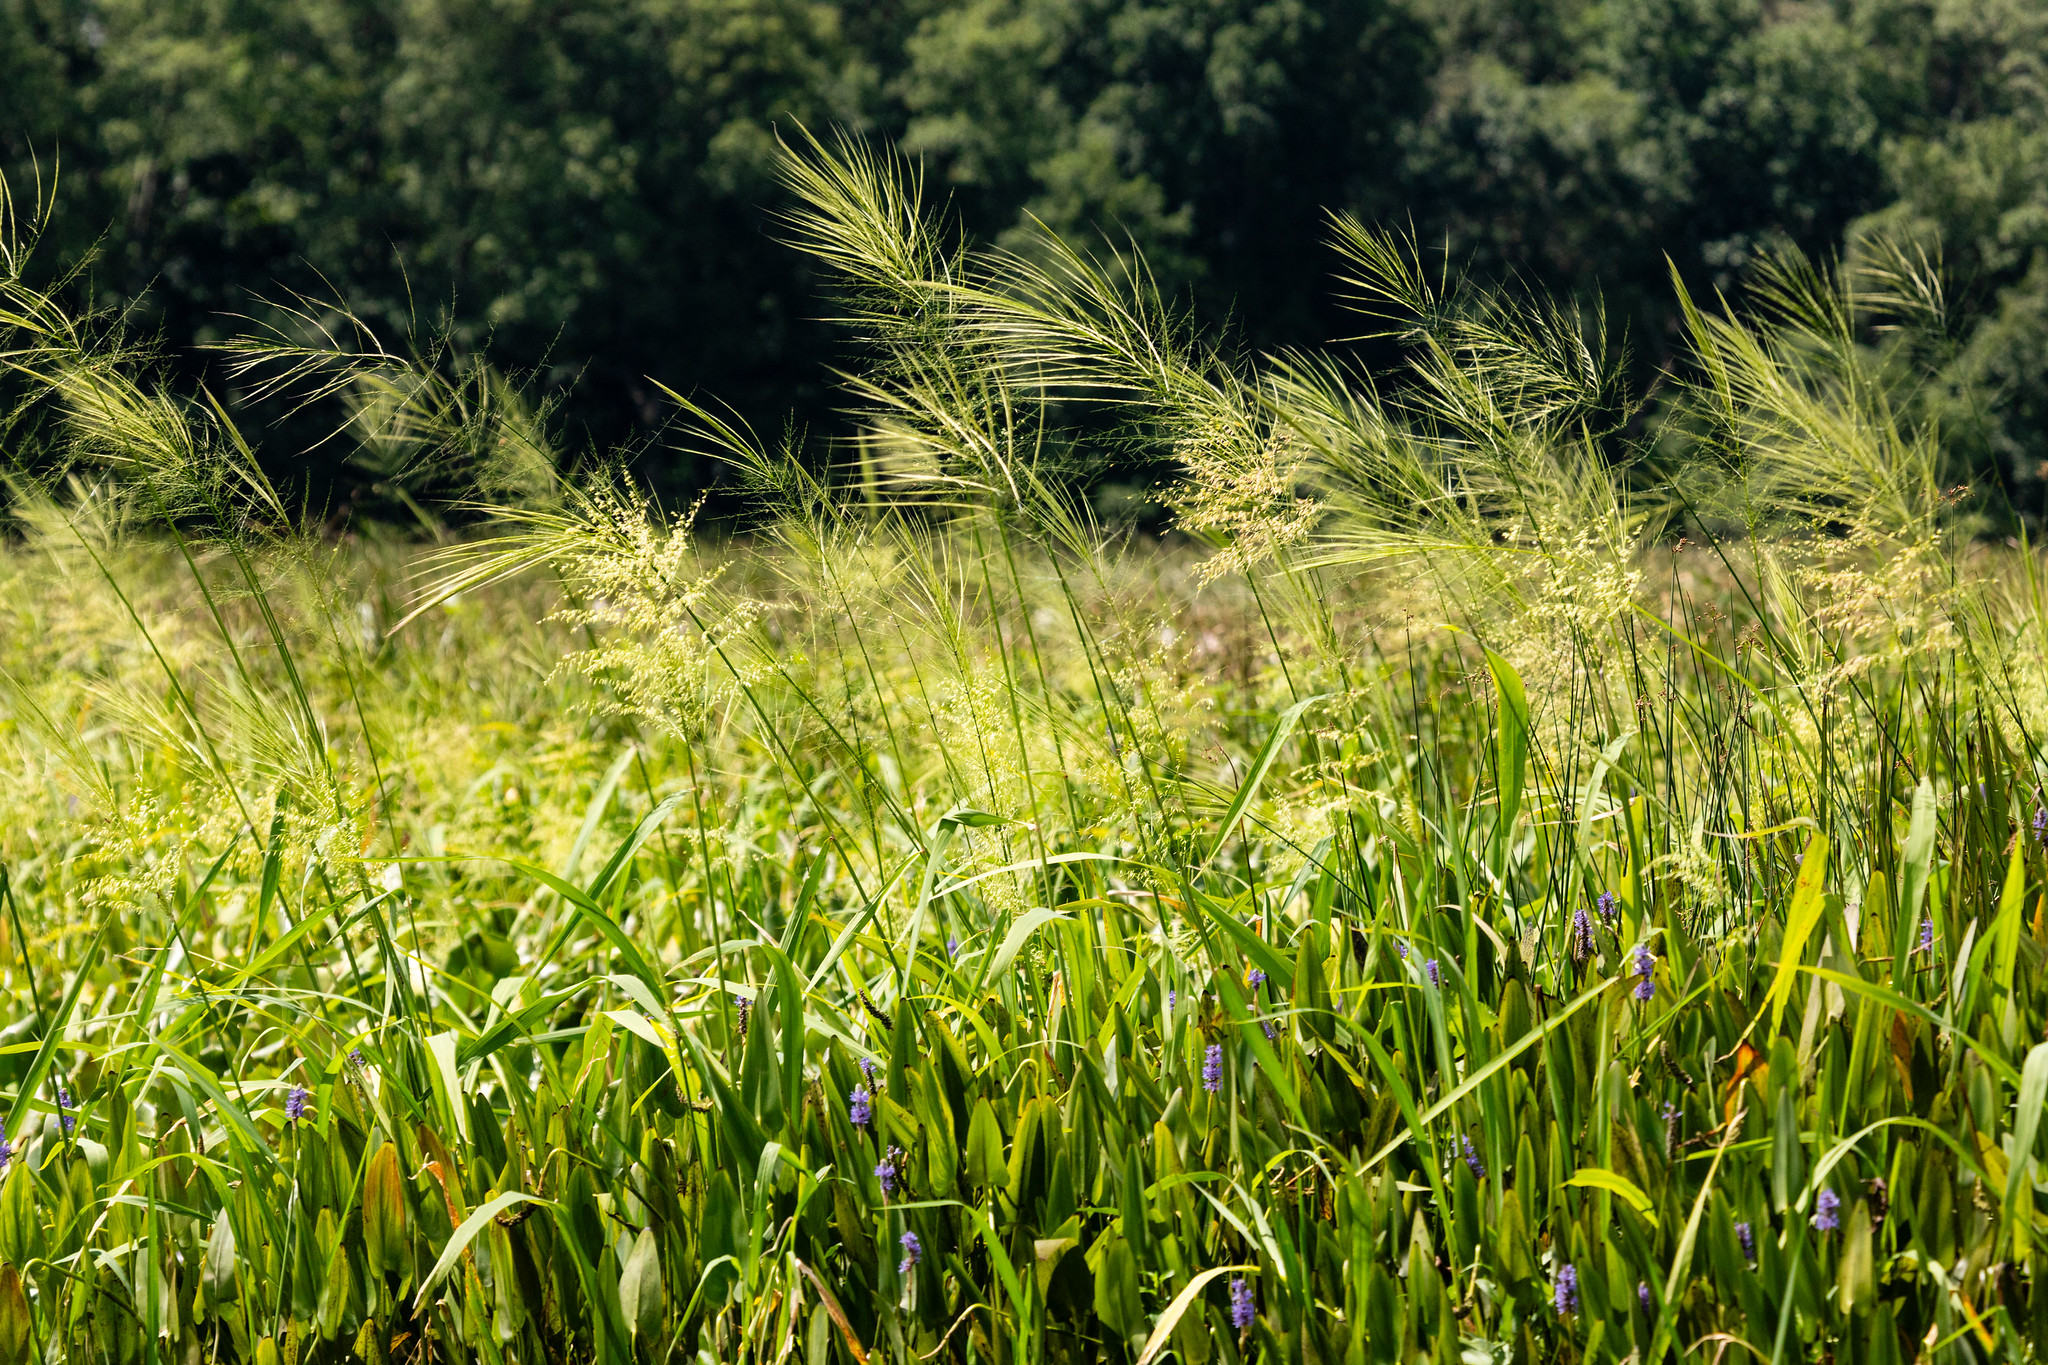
(1827, 1211)
(1242, 1309)
(1564, 1295)
(1645, 963)
(889, 1170)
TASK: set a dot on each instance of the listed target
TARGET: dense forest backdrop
(584, 190)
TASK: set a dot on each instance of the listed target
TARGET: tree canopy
(584, 190)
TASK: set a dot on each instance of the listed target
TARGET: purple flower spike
(1255, 978)
(1643, 1294)
(860, 1106)
(1271, 1032)
(1927, 937)
(1582, 935)
(2041, 824)
(868, 1068)
(952, 945)
(1472, 1160)
(1171, 998)
(1827, 1214)
(886, 1169)
(1212, 1068)
(1435, 975)
(1565, 1295)
(1402, 949)
(64, 1104)
(1606, 906)
(1747, 1237)
(913, 1252)
(1645, 963)
(295, 1103)
(6, 1151)
(1241, 1308)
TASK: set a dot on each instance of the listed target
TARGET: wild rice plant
(1539, 883)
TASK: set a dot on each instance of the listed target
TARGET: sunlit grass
(1493, 887)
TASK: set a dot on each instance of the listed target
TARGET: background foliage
(585, 186)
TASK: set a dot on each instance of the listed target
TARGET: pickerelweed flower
(1643, 1294)
(1827, 1214)
(6, 1151)
(1645, 963)
(2041, 824)
(1605, 905)
(1171, 998)
(860, 1106)
(868, 1068)
(63, 1106)
(1582, 934)
(1255, 978)
(952, 946)
(886, 1168)
(1430, 969)
(295, 1103)
(1565, 1295)
(355, 1054)
(1472, 1159)
(913, 1252)
(1241, 1309)
(1402, 949)
(1212, 1068)
(1927, 937)
(1271, 1032)
(1747, 1237)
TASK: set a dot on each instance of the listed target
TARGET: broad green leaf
(1027, 924)
(1263, 764)
(2005, 933)
(1800, 916)
(1918, 857)
(459, 1241)
(1162, 1329)
(2019, 1182)
(1511, 738)
(1599, 1178)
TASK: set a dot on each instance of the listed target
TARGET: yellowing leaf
(1599, 1178)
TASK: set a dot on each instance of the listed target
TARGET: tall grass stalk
(1524, 876)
